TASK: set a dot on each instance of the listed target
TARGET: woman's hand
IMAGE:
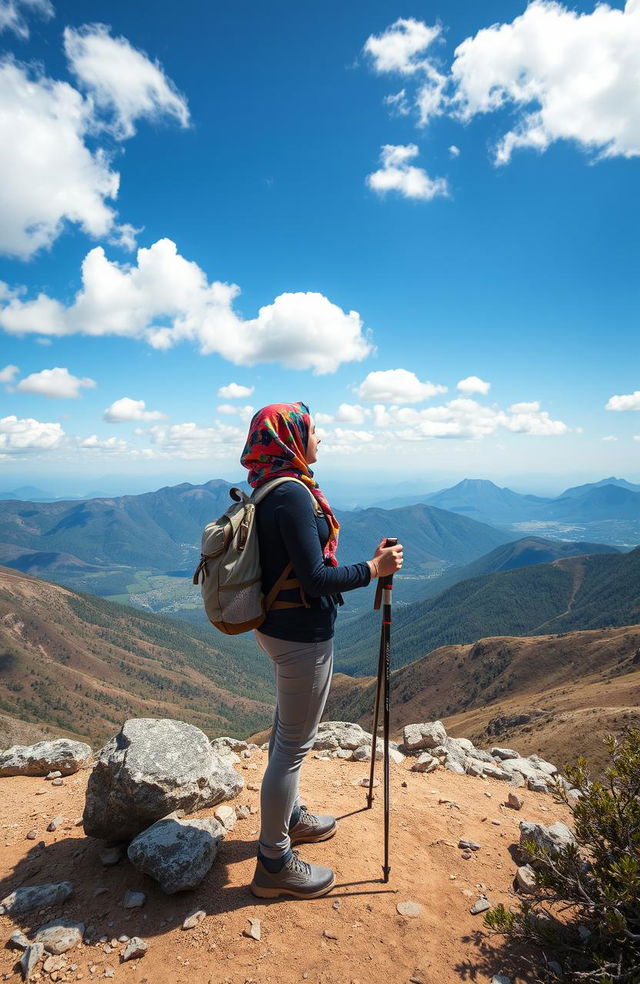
(386, 560)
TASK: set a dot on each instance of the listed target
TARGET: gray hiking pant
(303, 677)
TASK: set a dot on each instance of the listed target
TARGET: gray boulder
(553, 838)
(504, 753)
(177, 853)
(35, 897)
(524, 767)
(547, 767)
(224, 745)
(425, 763)
(427, 735)
(150, 768)
(341, 734)
(60, 755)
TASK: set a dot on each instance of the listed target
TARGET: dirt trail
(445, 944)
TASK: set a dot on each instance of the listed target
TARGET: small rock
(469, 845)
(409, 908)
(102, 890)
(19, 941)
(226, 815)
(253, 932)
(337, 904)
(60, 935)
(123, 939)
(537, 786)
(242, 812)
(253, 787)
(329, 935)
(425, 763)
(133, 900)
(109, 972)
(480, 906)
(500, 979)
(364, 782)
(135, 948)
(194, 919)
(53, 775)
(31, 836)
(35, 896)
(57, 782)
(514, 801)
(54, 963)
(31, 956)
(525, 878)
(466, 855)
(55, 823)
(114, 942)
(111, 855)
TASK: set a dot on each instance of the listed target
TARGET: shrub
(583, 918)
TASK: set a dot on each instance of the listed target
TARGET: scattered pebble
(466, 855)
(53, 775)
(329, 934)
(135, 948)
(337, 904)
(54, 963)
(194, 919)
(480, 906)
(500, 979)
(57, 782)
(409, 908)
(254, 930)
(31, 836)
(468, 845)
(515, 802)
(525, 878)
(55, 823)
(133, 900)
(111, 855)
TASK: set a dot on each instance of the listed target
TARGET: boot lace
(306, 817)
(297, 864)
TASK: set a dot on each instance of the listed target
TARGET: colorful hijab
(276, 447)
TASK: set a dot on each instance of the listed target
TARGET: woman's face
(312, 443)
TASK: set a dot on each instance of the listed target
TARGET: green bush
(583, 918)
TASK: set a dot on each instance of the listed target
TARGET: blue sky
(447, 313)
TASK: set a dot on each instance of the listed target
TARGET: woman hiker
(297, 527)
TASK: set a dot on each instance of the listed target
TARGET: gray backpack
(229, 571)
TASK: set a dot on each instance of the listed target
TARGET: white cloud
(351, 413)
(301, 330)
(51, 172)
(465, 418)
(190, 440)
(396, 386)
(8, 374)
(127, 409)
(630, 401)
(22, 435)
(565, 75)
(397, 174)
(399, 48)
(636, 437)
(571, 76)
(123, 82)
(234, 391)
(610, 437)
(13, 14)
(48, 175)
(94, 443)
(454, 151)
(322, 418)
(473, 384)
(233, 410)
(57, 383)
(398, 103)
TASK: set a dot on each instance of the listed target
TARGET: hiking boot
(310, 828)
(295, 878)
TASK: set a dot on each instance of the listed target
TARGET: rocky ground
(356, 935)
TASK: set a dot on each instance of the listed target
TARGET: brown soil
(445, 943)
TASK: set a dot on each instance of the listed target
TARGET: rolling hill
(594, 591)
(83, 665)
(555, 694)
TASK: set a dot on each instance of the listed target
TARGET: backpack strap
(284, 583)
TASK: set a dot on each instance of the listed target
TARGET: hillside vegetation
(83, 665)
(572, 593)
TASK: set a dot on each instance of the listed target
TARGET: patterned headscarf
(277, 446)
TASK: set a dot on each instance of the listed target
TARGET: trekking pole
(383, 596)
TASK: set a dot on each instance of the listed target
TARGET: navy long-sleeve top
(289, 529)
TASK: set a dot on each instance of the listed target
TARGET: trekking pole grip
(386, 581)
